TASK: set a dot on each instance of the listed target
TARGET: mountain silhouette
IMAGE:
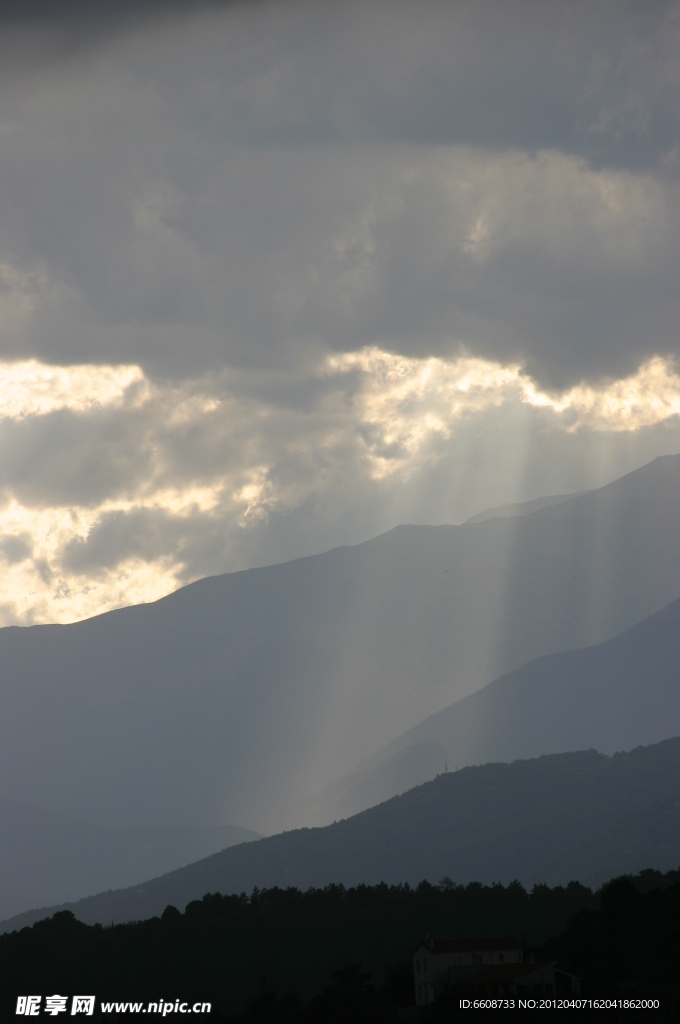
(237, 697)
(580, 816)
(617, 695)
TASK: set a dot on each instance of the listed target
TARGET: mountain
(48, 858)
(236, 697)
(580, 816)
(617, 695)
(522, 508)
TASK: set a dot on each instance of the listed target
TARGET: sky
(278, 276)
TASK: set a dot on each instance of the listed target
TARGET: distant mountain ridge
(522, 508)
(617, 695)
(579, 816)
(47, 857)
(237, 697)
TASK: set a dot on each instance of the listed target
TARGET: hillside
(617, 695)
(240, 695)
(48, 858)
(550, 820)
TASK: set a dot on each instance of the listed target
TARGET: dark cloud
(15, 548)
(147, 534)
(595, 78)
(96, 12)
(253, 184)
(69, 459)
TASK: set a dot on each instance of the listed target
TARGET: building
(485, 967)
(437, 963)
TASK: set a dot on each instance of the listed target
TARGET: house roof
(506, 973)
(439, 946)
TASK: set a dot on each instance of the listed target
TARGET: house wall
(429, 966)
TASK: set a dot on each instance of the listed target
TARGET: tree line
(343, 954)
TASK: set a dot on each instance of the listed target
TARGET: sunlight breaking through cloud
(32, 388)
(118, 488)
(647, 397)
(406, 402)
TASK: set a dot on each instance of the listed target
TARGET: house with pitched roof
(484, 967)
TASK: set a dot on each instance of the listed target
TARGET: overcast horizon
(278, 276)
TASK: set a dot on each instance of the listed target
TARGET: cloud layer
(250, 182)
(276, 276)
(116, 488)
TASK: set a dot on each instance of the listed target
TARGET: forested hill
(344, 954)
(578, 816)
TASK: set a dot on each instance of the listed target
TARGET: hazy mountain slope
(241, 694)
(522, 508)
(620, 694)
(49, 858)
(577, 816)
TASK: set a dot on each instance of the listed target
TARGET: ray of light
(384, 422)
